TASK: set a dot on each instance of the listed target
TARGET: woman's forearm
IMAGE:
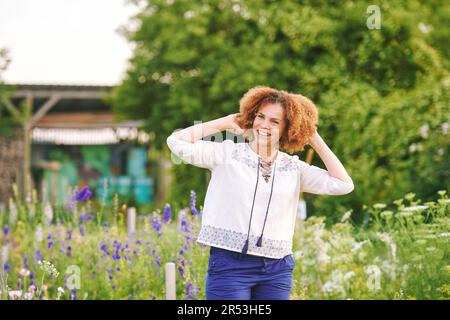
(334, 166)
(200, 130)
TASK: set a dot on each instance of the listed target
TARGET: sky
(65, 41)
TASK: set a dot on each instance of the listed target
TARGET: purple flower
(39, 255)
(49, 244)
(192, 203)
(74, 294)
(181, 267)
(84, 194)
(5, 230)
(82, 230)
(158, 261)
(184, 226)
(25, 262)
(167, 213)
(6, 267)
(86, 217)
(156, 225)
(181, 271)
(191, 291)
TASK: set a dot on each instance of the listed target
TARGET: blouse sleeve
(201, 153)
(317, 181)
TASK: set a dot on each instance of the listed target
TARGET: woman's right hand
(230, 124)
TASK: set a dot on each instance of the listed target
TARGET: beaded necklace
(266, 168)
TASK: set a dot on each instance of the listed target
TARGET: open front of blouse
(231, 190)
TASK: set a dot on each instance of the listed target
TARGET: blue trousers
(235, 276)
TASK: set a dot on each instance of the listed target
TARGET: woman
(251, 203)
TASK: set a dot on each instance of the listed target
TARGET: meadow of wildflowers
(83, 251)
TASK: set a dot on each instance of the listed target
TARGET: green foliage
(401, 253)
(377, 91)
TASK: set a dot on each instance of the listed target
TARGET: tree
(375, 89)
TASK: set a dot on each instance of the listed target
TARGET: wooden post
(170, 281)
(27, 182)
(131, 220)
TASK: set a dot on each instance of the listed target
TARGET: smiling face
(269, 125)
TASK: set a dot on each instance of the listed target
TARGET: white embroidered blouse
(226, 216)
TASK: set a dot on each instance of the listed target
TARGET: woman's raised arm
(200, 130)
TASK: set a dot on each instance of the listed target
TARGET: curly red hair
(301, 115)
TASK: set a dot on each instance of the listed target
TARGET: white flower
(358, 245)
(298, 254)
(415, 208)
(404, 214)
(424, 130)
(423, 27)
(346, 216)
(389, 268)
(335, 284)
(349, 275)
(379, 206)
(329, 287)
(48, 268)
(48, 210)
(27, 296)
(15, 295)
(444, 127)
(60, 292)
(12, 211)
(189, 14)
(322, 257)
(385, 237)
(393, 247)
(386, 214)
(32, 289)
(24, 272)
(39, 233)
(4, 254)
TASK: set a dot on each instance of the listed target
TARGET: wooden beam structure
(26, 118)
